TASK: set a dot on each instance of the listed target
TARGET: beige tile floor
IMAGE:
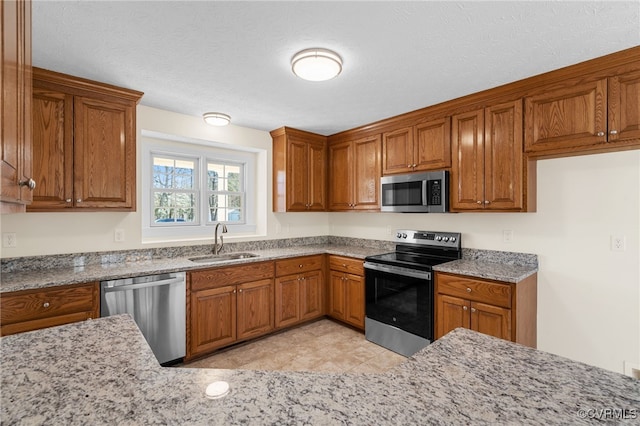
(323, 345)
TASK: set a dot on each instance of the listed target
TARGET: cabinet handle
(45, 305)
(473, 309)
(487, 202)
(68, 200)
(468, 290)
(300, 265)
(408, 166)
(464, 308)
(234, 291)
(240, 291)
(30, 183)
(413, 165)
(478, 202)
(600, 134)
(79, 200)
(613, 132)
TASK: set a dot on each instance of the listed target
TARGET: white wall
(588, 296)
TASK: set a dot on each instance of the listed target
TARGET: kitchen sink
(222, 257)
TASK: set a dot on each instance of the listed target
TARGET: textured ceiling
(233, 57)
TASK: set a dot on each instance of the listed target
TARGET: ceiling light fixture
(316, 64)
(216, 118)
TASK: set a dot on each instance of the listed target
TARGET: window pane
(234, 201)
(173, 173)
(233, 182)
(174, 207)
(212, 178)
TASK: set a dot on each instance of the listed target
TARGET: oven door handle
(398, 271)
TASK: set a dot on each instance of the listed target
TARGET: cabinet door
(317, 177)
(503, 156)
(287, 303)
(491, 320)
(311, 296)
(624, 107)
(297, 174)
(337, 296)
(213, 319)
(52, 150)
(453, 312)
(255, 308)
(15, 118)
(366, 173)
(397, 151)
(571, 117)
(432, 145)
(340, 179)
(354, 290)
(467, 177)
(105, 155)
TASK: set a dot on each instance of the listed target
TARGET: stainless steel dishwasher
(157, 303)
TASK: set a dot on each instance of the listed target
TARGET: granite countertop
(103, 372)
(41, 278)
(490, 270)
(501, 266)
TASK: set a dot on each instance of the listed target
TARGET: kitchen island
(103, 372)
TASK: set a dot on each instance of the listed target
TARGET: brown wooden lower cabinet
(298, 297)
(504, 310)
(346, 290)
(29, 310)
(228, 305)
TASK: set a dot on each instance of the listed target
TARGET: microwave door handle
(425, 183)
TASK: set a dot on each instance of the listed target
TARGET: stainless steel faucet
(217, 249)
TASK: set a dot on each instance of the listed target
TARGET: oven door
(400, 297)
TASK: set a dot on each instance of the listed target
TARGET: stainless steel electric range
(399, 289)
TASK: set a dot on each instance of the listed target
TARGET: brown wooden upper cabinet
(15, 118)
(354, 182)
(577, 116)
(425, 146)
(489, 171)
(84, 144)
(299, 170)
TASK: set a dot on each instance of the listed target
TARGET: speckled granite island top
(102, 372)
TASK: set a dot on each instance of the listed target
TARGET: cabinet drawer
(474, 289)
(230, 275)
(32, 305)
(298, 264)
(346, 264)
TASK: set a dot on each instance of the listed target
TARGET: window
(189, 188)
(175, 190)
(225, 185)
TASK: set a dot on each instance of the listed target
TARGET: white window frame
(206, 151)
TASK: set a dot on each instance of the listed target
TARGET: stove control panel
(429, 238)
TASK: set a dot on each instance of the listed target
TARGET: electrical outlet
(9, 239)
(118, 235)
(618, 243)
(507, 235)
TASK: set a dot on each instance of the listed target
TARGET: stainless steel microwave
(426, 192)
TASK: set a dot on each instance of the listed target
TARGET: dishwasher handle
(142, 285)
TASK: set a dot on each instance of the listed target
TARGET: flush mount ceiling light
(316, 64)
(216, 118)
